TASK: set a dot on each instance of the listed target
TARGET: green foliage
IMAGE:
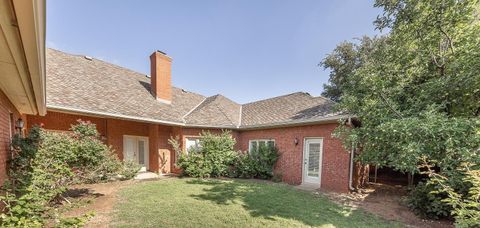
(258, 163)
(466, 206)
(425, 204)
(417, 91)
(216, 157)
(128, 170)
(75, 221)
(344, 60)
(245, 166)
(45, 163)
(212, 159)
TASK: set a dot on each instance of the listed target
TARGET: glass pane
(141, 152)
(253, 146)
(192, 145)
(271, 143)
(261, 143)
(129, 149)
(314, 159)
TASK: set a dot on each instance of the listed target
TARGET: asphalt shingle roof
(80, 84)
(295, 107)
(215, 110)
(76, 82)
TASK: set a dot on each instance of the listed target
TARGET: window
(192, 144)
(254, 144)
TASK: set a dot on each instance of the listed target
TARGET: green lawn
(231, 203)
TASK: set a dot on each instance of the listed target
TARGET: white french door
(135, 148)
(312, 161)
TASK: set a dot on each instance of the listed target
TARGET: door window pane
(314, 159)
(129, 149)
(141, 152)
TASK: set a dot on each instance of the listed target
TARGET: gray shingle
(215, 110)
(295, 107)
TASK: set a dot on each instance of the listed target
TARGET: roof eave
(70, 110)
(332, 119)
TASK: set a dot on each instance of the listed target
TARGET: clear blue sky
(244, 49)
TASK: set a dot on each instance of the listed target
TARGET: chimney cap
(162, 52)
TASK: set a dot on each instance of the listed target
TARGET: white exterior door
(312, 161)
(135, 148)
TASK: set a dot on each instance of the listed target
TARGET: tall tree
(345, 59)
(417, 92)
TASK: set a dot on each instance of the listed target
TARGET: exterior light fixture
(19, 124)
(296, 141)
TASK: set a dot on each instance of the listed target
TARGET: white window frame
(258, 142)
(191, 138)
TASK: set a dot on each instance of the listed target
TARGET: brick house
(22, 69)
(136, 114)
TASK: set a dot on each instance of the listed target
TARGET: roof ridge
(240, 116)
(223, 112)
(193, 109)
(276, 97)
(326, 98)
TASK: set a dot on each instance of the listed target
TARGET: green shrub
(216, 157)
(265, 158)
(45, 163)
(465, 204)
(212, 159)
(258, 163)
(244, 166)
(195, 165)
(128, 170)
(426, 204)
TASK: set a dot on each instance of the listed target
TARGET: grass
(232, 203)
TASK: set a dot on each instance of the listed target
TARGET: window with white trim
(254, 144)
(192, 144)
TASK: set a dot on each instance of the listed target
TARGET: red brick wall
(161, 76)
(62, 122)
(111, 129)
(116, 129)
(7, 129)
(335, 162)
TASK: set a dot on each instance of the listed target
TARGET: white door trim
(146, 148)
(305, 141)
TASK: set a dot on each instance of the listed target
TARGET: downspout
(352, 153)
(350, 179)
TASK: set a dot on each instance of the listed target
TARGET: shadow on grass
(272, 201)
(80, 192)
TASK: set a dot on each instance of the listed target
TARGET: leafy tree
(345, 59)
(417, 91)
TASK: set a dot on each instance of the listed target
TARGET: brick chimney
(161, 76)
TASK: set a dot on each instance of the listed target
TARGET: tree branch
(390, 106)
